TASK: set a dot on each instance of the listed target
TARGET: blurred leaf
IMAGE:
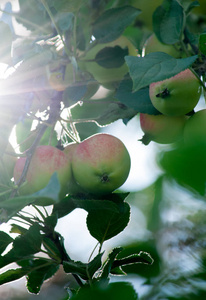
(202, 43)
(187, 165)
(112, 291)
(12, 275)
(155, 67)
(5, 240)
(105, 224)
(169, 17)
(65, 21)
(5, 48)
(67, 6)
(111, 57)
(139, 101)
(111, 24)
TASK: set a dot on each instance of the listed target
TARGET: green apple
(152, 44)
(195, 128)
(147, 7)
(107, 77)
(177, 95)
(101, 164)
(161, 129)
(46, 160)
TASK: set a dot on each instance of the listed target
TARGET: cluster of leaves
(47, 79)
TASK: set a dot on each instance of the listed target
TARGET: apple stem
(163, 94)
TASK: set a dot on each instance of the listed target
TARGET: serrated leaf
(169, 17)
(111, 57)
(139, 101)
(5, 240)
(155, 67)
(111, 24)
(105, 224)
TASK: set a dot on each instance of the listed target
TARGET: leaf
(109, 262)
(155, 67)
(12, 275)
(202, 43)
(114, 291)
(5, 47)
(104, 224)
(5, 240)
(68, 6)
(169, 17)
(111, 57)
(139, 101)
(111, 24)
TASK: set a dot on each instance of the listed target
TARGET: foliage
(49, 96)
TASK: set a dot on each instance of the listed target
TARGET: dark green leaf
(155, 67)
(104, 224)
(202, 43)
(139, 101)
(43, 270)
(6, 42)
(109, 262)
(74, 93)
(65, 21)
(68, 6)
(112, 291)
(111, 57)
(111, 24)
(12, 275)
(5, 240)
(141, 258)
(169, 18)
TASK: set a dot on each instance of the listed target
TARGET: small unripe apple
(101, 164)
(195, 128)
(46, 160)
(161, 129)
(177, 95)
(108, 77)
(152, 44)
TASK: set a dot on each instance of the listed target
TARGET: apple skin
(195, 129)
(177, 95)
(101, 164)
(162, 129)
(46, 160)
(152, 44)
(106, 77)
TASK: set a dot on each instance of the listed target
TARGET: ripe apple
(107, 77)
(147, 7)
(152, 44)
(101, 164)
(46, 160)
(177, 95)
(161, 129)
(195, 128)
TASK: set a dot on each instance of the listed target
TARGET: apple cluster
(98, 165)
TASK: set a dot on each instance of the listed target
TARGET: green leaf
(169, 18)
(43, 270)
(139, 101)
(31, 242)
(111, 24)
(68, 6)
(111, 57)
(12, 275)
(109, 262)
(5, 47)
(155, 67)
(112, 291)
(202, 43)
(104, 224)
(5, 240)
(65, 21)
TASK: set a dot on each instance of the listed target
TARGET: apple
(46, 160)
(101, 164)
(161, 129)
(195, 128)
(177, 95)
(147, 7)
(7, 163)
(107, 77)
(152, 44)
